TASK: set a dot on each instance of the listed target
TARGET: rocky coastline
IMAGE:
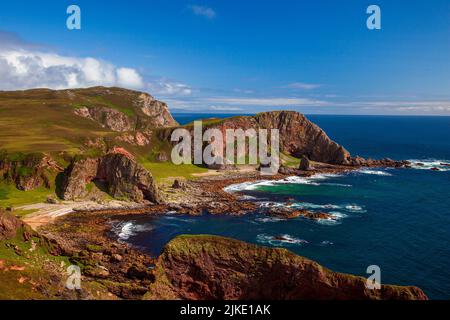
(118, 132)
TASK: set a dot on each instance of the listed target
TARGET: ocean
(397, 219)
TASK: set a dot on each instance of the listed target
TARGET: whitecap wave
(280, 241)
(375, 172)
(335, 218)
(428, 164)
(269, 219)
(313, 206)
(326, 243)
(354, 208)
(247, 197)
(312, 180)
(126, 230)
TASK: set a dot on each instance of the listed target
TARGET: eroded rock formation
(122, 176)
(28, 171)
(123, 110)
(298, 136)
(209, 267)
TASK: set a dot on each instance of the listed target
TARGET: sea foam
(285, 240)
(375, 172)
(253, 185)
(428, 164)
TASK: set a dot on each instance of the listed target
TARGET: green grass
(163, 170)
(34, 264)
(289, 161)
(10, 196)
(106, 103)
(44, 120)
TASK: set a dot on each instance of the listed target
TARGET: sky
(316, 57)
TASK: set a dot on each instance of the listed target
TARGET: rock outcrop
(158, 111)
(209, 267)
(123, 110)
(107, 118)
(305, 164)
(122, 176)
(10, 226)
(28, 171)
(298, 136)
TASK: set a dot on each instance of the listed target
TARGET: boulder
(305, 164)
(10, 226)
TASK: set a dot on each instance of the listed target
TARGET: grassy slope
(44, 120)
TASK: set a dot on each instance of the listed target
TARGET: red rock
(210, 268)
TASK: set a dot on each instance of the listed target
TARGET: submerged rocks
(210, 267)
(122, 176)
(289, 213)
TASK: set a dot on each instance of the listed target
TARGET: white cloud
(302, 86)
(203, 11)
(167, 87)
(268, 101)
(129, 77)
(26, 66)
(225, 108)
(25, 69)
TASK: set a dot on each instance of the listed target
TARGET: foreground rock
(122, 176)
(209, 267)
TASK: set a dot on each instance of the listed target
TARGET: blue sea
(398, 219)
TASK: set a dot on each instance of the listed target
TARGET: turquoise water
(398, 219)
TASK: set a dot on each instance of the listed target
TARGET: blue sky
(238, 56)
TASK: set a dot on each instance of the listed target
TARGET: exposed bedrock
(28, 171)
(136, 111)
(298, 136)
(120, 174)
(210, 267)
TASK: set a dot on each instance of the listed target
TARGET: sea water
(398, 219)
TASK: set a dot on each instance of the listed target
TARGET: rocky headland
(96, 148)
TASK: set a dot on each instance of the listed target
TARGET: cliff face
(122, 176)
(123, 110)
(28, 171)
(298, 136)
(209, 267)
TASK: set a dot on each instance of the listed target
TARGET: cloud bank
(27, 66)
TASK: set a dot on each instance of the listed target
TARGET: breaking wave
(280, 241)
(125, 230)
(307, 205)
(313, 180)
(441, 165)
(374, 172)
